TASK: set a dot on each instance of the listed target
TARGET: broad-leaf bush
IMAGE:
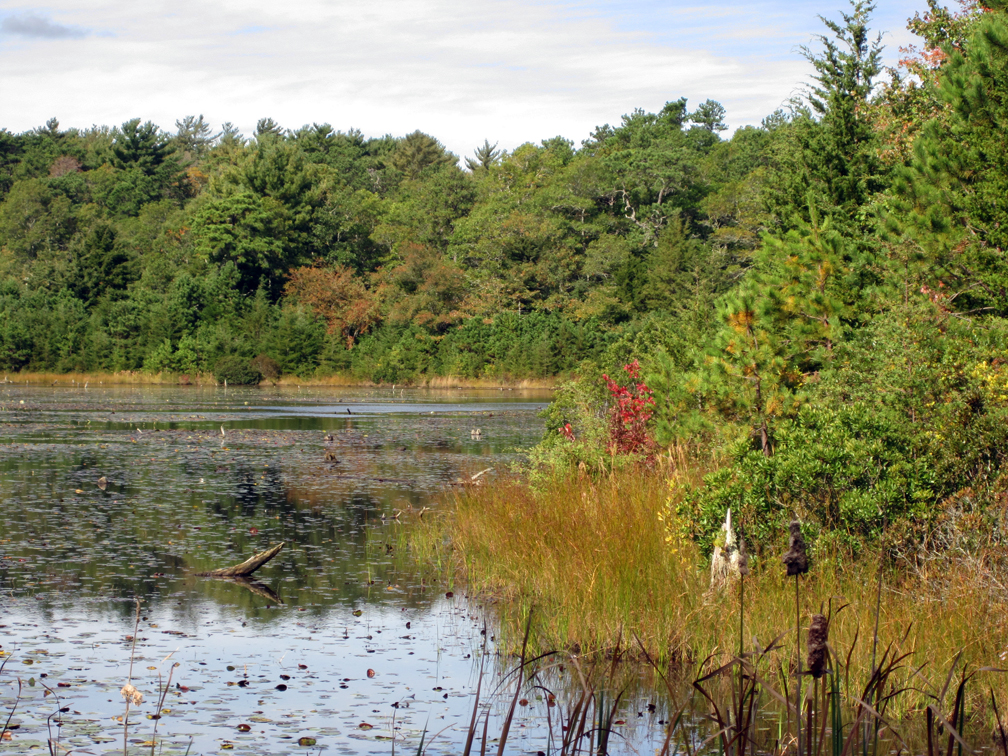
(237, 371)
(843, 469)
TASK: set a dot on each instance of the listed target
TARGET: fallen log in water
(247, 567)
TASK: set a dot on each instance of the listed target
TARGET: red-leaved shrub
(629, 415)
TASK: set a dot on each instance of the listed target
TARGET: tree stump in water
(247, 567)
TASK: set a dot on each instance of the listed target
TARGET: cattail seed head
(131, 694)
(818, 637)
(740, 559)
(796, 559)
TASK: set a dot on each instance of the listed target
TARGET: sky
(510, 71)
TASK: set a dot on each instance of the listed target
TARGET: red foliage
(628, 418)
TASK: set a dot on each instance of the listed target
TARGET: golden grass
(125, 377)
(140, 378)
(593, 557)
(431, 382)
(452, 381)
(337, 379)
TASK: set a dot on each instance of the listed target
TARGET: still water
(340, 644)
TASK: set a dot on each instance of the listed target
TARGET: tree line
(839, 267)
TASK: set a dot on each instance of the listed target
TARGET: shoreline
(139, 378)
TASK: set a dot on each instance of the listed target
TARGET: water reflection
(199, 479)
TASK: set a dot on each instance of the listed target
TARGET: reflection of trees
(101, 545)
(264, 492)
(158, 522)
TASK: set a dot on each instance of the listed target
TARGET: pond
(114, 495)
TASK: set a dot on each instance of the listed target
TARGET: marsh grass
(335, 380)
(93, 380)
(592, 555)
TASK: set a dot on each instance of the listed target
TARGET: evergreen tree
(103, 267)
(804, 292)
(417, 151)
(709, 115)
(194, 136)
(746, 374)
(486, 156)
(839, 148)
(140, 146)
(230, 136)
(955, 194)
(267, 129)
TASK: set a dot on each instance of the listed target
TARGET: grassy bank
(141, 378)
(428, 382)
(596, 559)
(123, 378)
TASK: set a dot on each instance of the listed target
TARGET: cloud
(35, 26)
(507, 70)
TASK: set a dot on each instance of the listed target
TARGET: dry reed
(341, 380)
(93, 380)
(592, 554)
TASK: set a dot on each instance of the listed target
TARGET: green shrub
(237, 371)
(906, 427)
(843, 470)
(576, 426)
(269, 367)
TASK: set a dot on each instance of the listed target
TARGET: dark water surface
(340, 640)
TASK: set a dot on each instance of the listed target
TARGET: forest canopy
(134, 248)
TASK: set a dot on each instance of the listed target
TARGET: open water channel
(340, 646)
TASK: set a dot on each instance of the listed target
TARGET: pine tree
(486, 156)
(417, 151)
(709, 115)
(839, 152)
(804, 293)
(194, 136)
(777, 330)
(140, 146)
(267, 130)
(746, 373)
(230, 136)
(954, 208)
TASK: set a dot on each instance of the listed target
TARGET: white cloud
(509, 70)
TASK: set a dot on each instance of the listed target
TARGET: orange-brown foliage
(337, 296)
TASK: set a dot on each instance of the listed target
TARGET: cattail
(740, 559)
(818, 637)
(721, 558)
(796, 560)
(131, 694)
